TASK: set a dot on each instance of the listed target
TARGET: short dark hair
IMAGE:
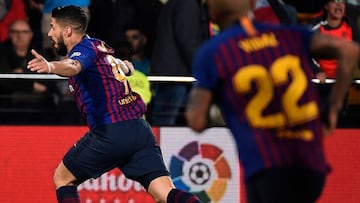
(71, 15)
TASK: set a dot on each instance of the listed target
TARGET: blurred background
(133, 28)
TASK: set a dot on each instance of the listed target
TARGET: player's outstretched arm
(347, 54)
(66, 67)
(197, 109)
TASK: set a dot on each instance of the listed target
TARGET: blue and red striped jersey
(262, 81)
(101, 90)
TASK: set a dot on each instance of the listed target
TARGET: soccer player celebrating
(118, 137)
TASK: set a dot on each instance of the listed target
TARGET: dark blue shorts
(284, 185)
(128, 145)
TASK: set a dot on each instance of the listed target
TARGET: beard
(61, 49)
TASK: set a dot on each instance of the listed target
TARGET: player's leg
(90, 157)
(65, 184)
(160, 187)
(69, 174)
(147, 166)
(163, 190)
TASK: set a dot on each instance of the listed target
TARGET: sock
(179, 196)
(67, 194)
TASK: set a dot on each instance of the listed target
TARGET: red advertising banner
(343, 152)
(28, 158)
(30, 154)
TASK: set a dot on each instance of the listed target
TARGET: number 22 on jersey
(266, 81)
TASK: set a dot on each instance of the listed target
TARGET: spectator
(118, 14)
(147, 14)
(183, 25)
(10, 10)
(138, 42)
(274, 11)
(332, 22)
(123, 49)
(15, 54)
(33, 10)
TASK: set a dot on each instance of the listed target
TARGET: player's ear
(67, 30)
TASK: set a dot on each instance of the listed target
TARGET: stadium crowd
(136, 30)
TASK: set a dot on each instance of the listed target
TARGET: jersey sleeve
(84, 54)
(204, 69)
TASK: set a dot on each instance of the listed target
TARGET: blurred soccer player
(118, 136)
(261, 76)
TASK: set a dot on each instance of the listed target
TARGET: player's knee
(63, 177)
(60, 181)
(57, 180)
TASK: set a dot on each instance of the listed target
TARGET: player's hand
(39, 64)
(126, 66)
(321, 76)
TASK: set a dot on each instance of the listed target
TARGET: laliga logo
(202, 170)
